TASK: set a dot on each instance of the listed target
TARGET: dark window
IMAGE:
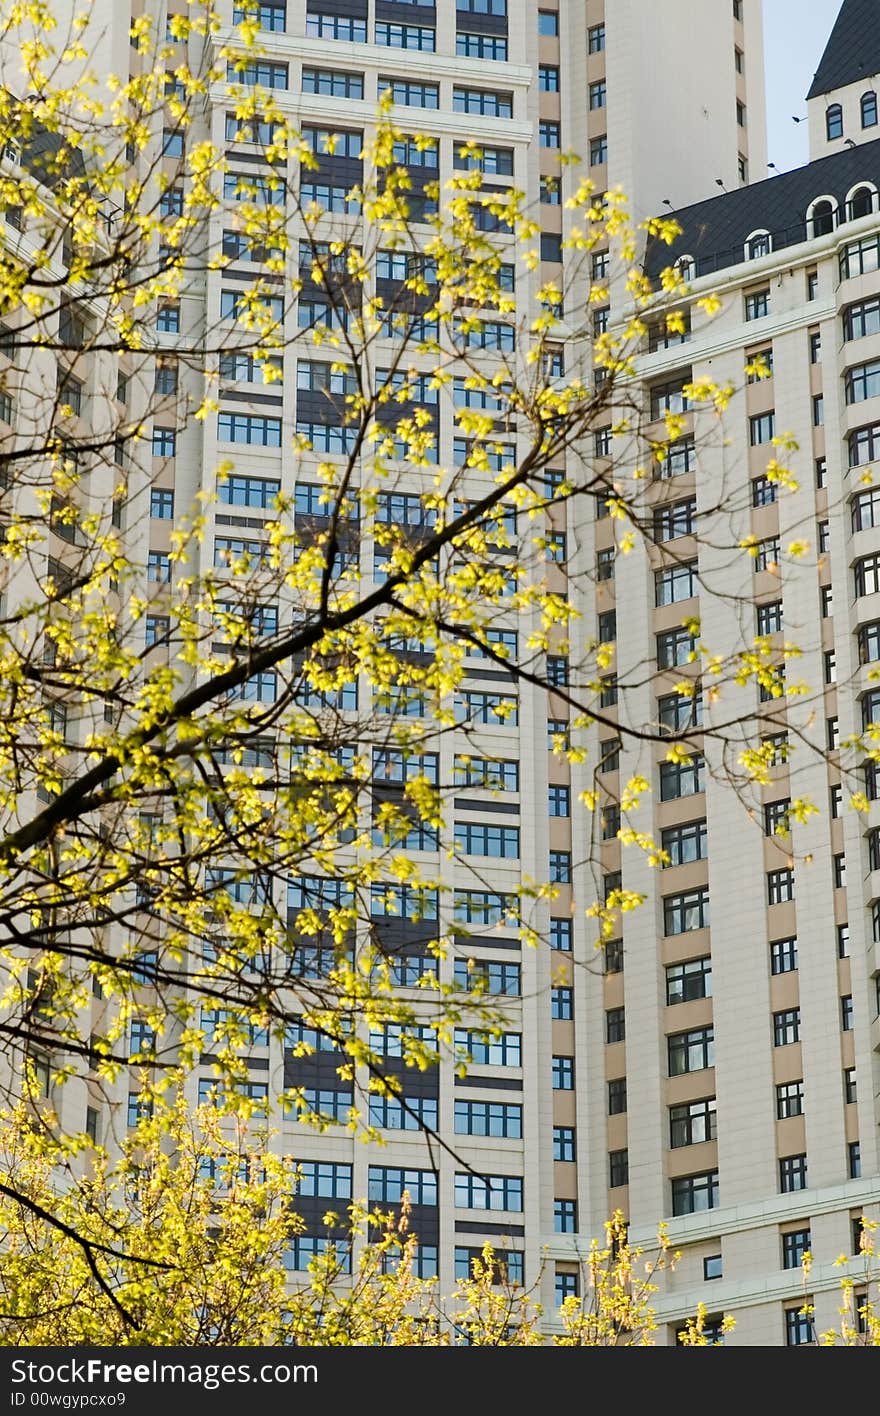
(692, 1193)
(615, 1025)
(792, 1173)
(618, 1168)
(789, 1100)
(795, 1244)
(687, 911)
(783, 956)
(687, 981)
(565, 1216)
(692, 1123)
(869, 109)
(564, 1143)
(833, 122)
(786, 1026)
(617, 1096)
(691, 1051)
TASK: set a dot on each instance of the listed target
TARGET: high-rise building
(721, 1076)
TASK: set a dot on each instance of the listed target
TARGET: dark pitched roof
(714, 232)
(853, 50)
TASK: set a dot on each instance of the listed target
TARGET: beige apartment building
(720, 1076)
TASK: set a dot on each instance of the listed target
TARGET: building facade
(718, 1075)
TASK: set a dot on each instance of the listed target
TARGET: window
(762, 428)
(559, 800)
(798, 1327)
(846, 1013)
(598, 94)
(669, 398)
(783, 956)
(605, 563)
(862, 319)
(387, 1184)
(562, 1004)
(249, 428)
(411, 37)
(488, 1118)
(763, 491)
(561, 934)
(158, 567)
(769, 617)
(560, 867)
(687, 911)
(833, 122)
(685, 843)
(675, 583)
(690, 1051)
(156, 629)
(675, 519)
(786, 1027)
(618, 1168)
(326, 1179)
(332, 82)
(341, 27)
(685, 982)
(864, 445)
(615, 1025)
(865, 510)
(795, 1244)
(564, 1143)
(792, 1174)
(485, 102)
(866, 575)
(854, 1160)
(692, 1123)
(482, 839)
(549, 135)
(675, 647)
(609, 755)
(548, 78)
(566, 1285)
(565, 1220)
(826, 601)
(598, 150)
(821, 471)
(869, 109)
(617, 1096)
(776, 817)
(503, 1051)
(161, 504)
(789, 1100)
(757, 304)
(168, 319)
(596, 39)
(551, 194)
(692, 1193)
(493, 977)
(562, 1072)
(850, 1093)
(613, 960)
(681, 779)
(843, 941)
(488, 1192)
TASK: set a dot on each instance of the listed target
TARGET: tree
(203, 1238)
(218, 780)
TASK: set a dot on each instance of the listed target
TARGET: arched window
(834, 122)
(861, 202)
(869, 109)
(821, 217)
(758, 244)
(686, 267)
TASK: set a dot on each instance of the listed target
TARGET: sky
(795, 34)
